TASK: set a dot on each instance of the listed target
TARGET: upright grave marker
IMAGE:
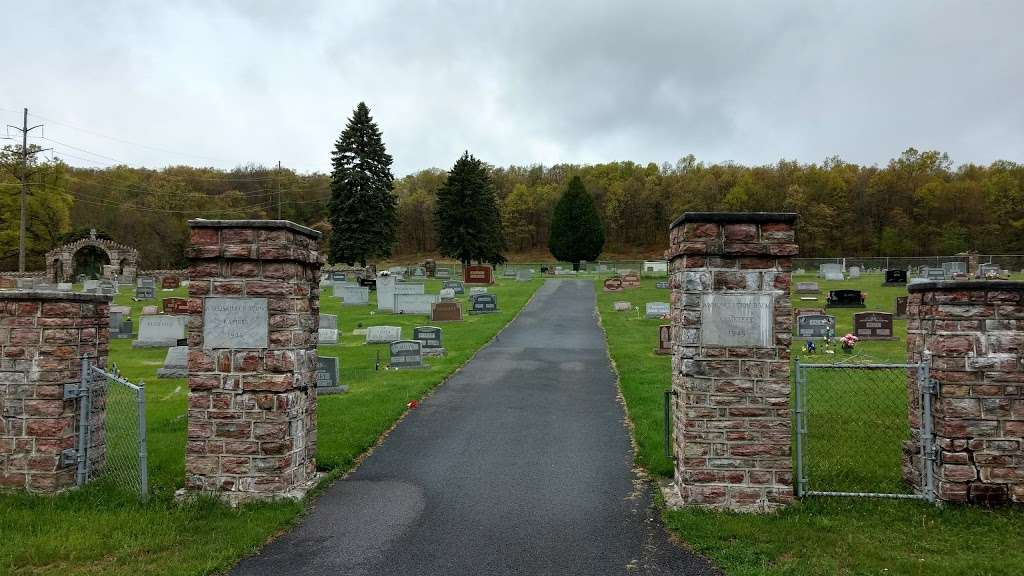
(386, 293)
(732, 318)
(328, 331)
(383, 334)
(664, 340)
(478, 275)
(873, 326)
(354, 295)
(415, 303)
(430, 336)
(254, 300)
(160, 331)
(406, 354)
(613, 284)
(895, 277)
(327, 378)
(815, 326)
(458, 287)
(446, 312)
(656, 309)
(483, 304)
(175, 363)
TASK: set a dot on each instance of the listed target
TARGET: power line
(23, 176)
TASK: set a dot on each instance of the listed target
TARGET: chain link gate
(111, 444)
(851, 424)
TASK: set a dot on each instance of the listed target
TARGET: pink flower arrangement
(848, 342)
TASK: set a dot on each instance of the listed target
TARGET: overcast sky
(229, 83)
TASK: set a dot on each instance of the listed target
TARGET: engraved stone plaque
(235, 323)
(737, 320)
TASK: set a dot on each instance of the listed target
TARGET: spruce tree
(467, 220)
(363, 208)
(576, 230)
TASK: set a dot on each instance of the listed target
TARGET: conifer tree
(576, 230)
(363, 208)
(467, 219)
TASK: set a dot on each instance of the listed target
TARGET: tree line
(918, 204)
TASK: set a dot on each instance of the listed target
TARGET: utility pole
(24, 185)
(277, 182)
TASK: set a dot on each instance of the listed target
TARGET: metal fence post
(143, 459)
(81, 472)
(668, 423)
(800, 481)
(927, 434)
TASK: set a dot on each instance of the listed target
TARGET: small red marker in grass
(412, 404)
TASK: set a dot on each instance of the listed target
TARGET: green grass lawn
(819, 535)
(101, 530)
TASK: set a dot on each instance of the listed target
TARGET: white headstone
(160, 330)
(415, 303)
(386, 293)
(383, 334)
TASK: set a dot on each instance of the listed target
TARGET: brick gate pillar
(973, 332)
(254, 307)
(731, 322)
(43, 337)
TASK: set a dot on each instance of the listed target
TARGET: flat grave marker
(622, 306)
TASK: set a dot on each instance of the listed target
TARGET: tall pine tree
(576, 230)
(363, 209)
(467, 219)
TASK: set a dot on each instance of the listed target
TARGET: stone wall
(251, 376)
(973, 333)
(43, 337)
(732, 324)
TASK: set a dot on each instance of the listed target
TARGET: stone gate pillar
(254, 307)
(43, 337)
(731, 322)
(973, 332)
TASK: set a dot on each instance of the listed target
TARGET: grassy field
(819, 535)
(100, 530)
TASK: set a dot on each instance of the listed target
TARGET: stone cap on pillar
(54, 295)
(268, 240)
(203, 223)
(947, 285)
(734, 236)
(735, 218)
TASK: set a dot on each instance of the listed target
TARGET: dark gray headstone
(873, 326)
(327, 376)
(430, 336)
(443, 273)
(455, 285)
(406, 354)
(483, 304)
(145, 292)
(815, 326)
(895, 276)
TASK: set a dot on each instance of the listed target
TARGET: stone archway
(121, 260)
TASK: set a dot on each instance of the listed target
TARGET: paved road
(520, 464)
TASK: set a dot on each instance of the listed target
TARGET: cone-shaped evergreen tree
(363, 209)
(576, 230)
(467, 220)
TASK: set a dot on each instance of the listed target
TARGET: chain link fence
(1012, 262)
(852, 421)
(114, 439)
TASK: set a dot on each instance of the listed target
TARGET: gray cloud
(226, 83)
